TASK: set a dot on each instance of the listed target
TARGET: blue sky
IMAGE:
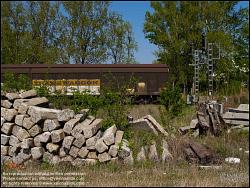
(134, 12)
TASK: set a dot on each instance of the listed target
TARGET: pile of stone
(209, 120)
(238, 118)
(32, 131)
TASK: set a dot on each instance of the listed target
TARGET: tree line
(81, 32)
(176, 27)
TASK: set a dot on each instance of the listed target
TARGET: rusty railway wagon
(151, 78)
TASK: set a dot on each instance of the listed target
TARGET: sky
(134, 12)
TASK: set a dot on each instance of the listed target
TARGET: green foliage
(171, 98)
(107, 123)
(116, 99)
(14, 83)
(175, 26)
(40, 32)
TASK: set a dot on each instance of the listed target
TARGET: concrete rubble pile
(148, 123)
(32, 131)
(209, 120)
(238, 118)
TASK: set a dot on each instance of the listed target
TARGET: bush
(172, 100)
(14, 83)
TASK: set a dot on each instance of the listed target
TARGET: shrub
(172, 100)
(14, 83)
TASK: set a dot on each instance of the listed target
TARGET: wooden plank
(231, 115)
(237, 122)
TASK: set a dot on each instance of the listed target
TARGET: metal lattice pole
(196, 71)
(210, 69)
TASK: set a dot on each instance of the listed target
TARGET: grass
(177, 172)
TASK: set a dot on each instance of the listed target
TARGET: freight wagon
(151, 78)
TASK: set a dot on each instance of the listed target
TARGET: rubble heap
(32, 131)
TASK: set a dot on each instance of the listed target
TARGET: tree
(35, 32)
(44, 31)
(175, 25)
(86, 31)
(12, 30)
(120, 41)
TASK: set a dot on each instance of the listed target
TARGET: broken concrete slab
(92, 155)
(4, 139)
(27, 123)
(28, 94)
(77, 130)
(35, 130)
(65, 115)
(37, 152)
(14, 141)
(232, 115)
(44, 137)
(67, 141)
(68, 126)
(193, 125)
(62, 152)
(38, 113)
(19, 119)
(57, 135)
(113, 150)
(153, 155)
(8, 114)
(22, 134)
(18, 102)
(90, 142)
(13, 151)
(118, 137)
(52, 148)
(23, 108)
(4, 150)
(143, 124)
(83, 152)
(109, 135)
(103, 157)
(6, 104)
(141, 156)
(12, 96)
(51, 124)
(16, 129)
(124, 151)
(166, 155)
(92, 129)
(78, 142)
(27, 143)
(2, 121)
(38, 101)
(7, 128)
(74, 151)
(156, 125)
(101, 146)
